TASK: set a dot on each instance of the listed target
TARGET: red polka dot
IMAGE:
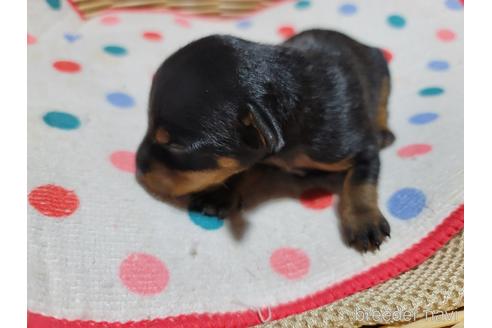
(67, 66)
(182, 22)
(123, 160)
(31, 39)
(286, 31)
(291, 263)
(316, 198)
(388, 55)
(144, 274)
(445, 35)
(110, 20)
(414, 150)
(152, 36)
(53, 201)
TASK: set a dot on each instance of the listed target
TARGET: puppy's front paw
(220, 203)
(366, 231)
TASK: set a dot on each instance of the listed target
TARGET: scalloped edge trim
(380, 273)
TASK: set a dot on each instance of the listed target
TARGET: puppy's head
(207, 121)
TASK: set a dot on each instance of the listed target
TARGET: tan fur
(357, 200)
(302, 161)
(165, 182)
(227, 162)
(162, 136)
(382, 114)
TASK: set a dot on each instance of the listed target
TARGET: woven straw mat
(435, 285)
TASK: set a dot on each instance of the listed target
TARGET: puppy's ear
(261, 130)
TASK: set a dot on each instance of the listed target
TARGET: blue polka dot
(407, 203)
(423, 118)
(205, 221)
(54, 4)
(397, 21)
(454, 5)
(71, 37)
(115, 50)
(431, 91)
(61, 120)
(244, 24)
(438, 65)
(120, 99)
(303, 4)
(347, 9)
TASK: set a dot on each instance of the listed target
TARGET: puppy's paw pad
(367, 233)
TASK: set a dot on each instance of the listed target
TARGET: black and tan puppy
(221, 104)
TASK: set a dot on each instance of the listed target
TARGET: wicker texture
(436, 285)
(224, 8)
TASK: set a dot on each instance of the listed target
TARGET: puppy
(221, 105)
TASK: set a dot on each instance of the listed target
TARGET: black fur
(316, 94)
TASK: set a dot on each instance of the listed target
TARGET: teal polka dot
(397, 21)
(204, 221)
(431, 91)
(115, 50)
(61, 120)
(54, 4)
(303, 4)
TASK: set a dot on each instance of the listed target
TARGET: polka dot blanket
(103, 253)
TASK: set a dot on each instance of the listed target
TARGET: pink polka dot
(445, 35)
(286, 31)
(414, 150)
(53, 201)
(144, 274)
(67, 66)
(291, 263)
(388, 55)
(316, 198)
(110, 20)
(152, 36)
(123, 160)
(182, 22)
(31, 39)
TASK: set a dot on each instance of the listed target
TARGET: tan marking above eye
(162, 136)
(227, 162)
